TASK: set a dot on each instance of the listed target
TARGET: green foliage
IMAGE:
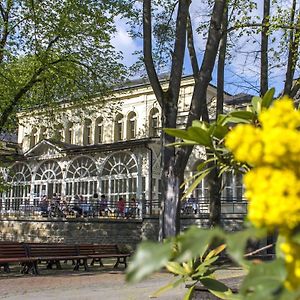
(57, 51)
(187, 255)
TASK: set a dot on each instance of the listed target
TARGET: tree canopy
(56, 50)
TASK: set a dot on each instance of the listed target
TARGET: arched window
(87, 132)
(131, 125)
(119, 176)
(58, 133)
(43, 133)
(19, 177)
(69, 133)
(48, 180)
(99, 130)
(154, 122)
(34, 137)
(119, 131)
(81, 178)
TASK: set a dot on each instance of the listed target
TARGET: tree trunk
(221, 65)
(294, 40)
(214, 190)
(264, 85)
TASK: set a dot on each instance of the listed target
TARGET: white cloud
(123, 42)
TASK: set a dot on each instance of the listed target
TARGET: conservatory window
(19, 177)
(131, 125)
(81, 178)
(48, 180)
(119, 176)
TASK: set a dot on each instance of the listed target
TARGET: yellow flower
(291, 251)
(245, 142)
(273, 196)
(281, 114)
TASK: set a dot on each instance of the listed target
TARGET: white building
(111, 148)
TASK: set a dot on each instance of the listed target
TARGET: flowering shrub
(273, 183)
(265, 146)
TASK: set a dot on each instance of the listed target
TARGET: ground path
(99, 284)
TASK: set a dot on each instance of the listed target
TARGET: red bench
(97, 252)
(17, 253)
(55, 253)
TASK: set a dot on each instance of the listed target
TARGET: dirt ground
(106, 284)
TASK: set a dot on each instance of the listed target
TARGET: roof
(9, 137)
(59, 148)
(241, 98)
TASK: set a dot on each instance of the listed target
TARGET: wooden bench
(17, 253)
(55, 253)
(97, 252)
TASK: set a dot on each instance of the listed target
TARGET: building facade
(109, 147)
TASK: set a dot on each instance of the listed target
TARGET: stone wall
(126, 233)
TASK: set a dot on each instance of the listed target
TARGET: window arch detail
(99, 131)
(119, 130)
(87, 132)
(34, 137)
(131, 125)
(119, 176)
(81, 178)
(154, 122)
(19, 176)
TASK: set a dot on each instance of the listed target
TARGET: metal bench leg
(77, 265)
(101, 263)
(117, 263)
(58, 265)
(6, 268)
(85, 265)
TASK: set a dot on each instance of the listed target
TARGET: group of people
(120, 210)
(59, 206)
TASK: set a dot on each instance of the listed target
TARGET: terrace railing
(191, 208)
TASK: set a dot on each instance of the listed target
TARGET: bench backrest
(89, 249)
(12, 250)
(54, 250)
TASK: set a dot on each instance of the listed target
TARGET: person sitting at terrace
(131, 213)
(76, 206)
(103, 206)
(120, 207)
(44, 205)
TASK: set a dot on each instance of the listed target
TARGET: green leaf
(243, 114)
(180, 133)
(149, 257)
(256, 104)
(175, 268)
(264, 279)
(268, 98)
(218, 131)
(189, 293)
(197, 181)
(236, 120)
(167, 287)
(214, 285)
(200, 124)
(200, 136)
(215, 251)
(194, 241)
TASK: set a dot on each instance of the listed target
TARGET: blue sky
(242, 72)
